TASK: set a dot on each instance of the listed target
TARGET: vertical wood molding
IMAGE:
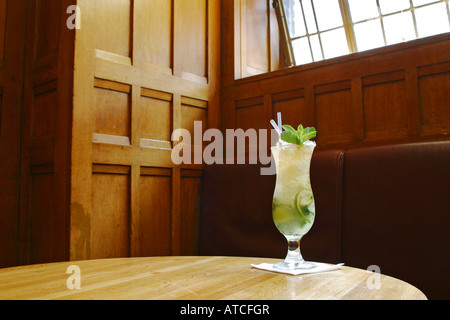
(176, 211)
(135, 115)
(176, 113)
(177, 52)
(358, 108)
(243, 37)
(83, 128)
(268, 107)
(413, 101)
(63, 144)
(310, 105)
(135, 212)
(233, 36)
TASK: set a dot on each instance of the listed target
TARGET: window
(322, 29)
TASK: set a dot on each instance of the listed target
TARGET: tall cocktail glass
(293, 207)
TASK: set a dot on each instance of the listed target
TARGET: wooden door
(143, 68)
(36, 72)
(45, 136)
(12, 43)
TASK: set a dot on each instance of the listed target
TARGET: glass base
(294, 260)
(294, 266)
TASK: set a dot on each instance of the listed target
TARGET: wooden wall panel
(333, 105)
(192, 112)
(385, 105)
(191, 188)
(149, 68)
(191, 17)
(256, 37)
(292, 105)
(256, 20)
(154, 29)
(155, 217)
(44, 110)
(110, 219)
(249, 117)
(47, 32)
(434, 98)
(47, 244)
(113, 26)
(156, 116)
(113, 111)
(42, 211)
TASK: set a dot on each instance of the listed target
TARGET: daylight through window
(324, 29)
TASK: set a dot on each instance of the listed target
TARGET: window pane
(363, 9)
(334, 43)
(369, 35)
(302, 51)
(432, 20)
(399, 27)
(315, 45)
(417, 3)
(309, 16)
(390, 6)
(328, 14)
(294, 18)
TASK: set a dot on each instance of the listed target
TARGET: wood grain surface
(192, 278)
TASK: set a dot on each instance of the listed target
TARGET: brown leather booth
(396, 209)
(381, 205)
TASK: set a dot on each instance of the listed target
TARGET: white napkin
(320, 267)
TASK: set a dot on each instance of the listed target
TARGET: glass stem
(294, 255)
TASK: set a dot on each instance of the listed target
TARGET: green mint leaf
(299, 136)
(290, 137)
(288, 128)
(307, 137)
(310, 130)
(309, 133)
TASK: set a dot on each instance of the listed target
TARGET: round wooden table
(191, 278)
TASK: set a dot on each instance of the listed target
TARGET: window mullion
(416, 30)
(317, 28)
(348, 25)
(448, 10)
(381, 21)
(307, 31)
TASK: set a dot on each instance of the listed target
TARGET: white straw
(275, 126)
(280, 123)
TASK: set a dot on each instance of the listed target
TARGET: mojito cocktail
(293, 207)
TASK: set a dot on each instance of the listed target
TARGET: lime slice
(303, 200)
(304, 197)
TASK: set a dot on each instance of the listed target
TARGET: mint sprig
(299, 136)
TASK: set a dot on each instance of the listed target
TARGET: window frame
(348, 25)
